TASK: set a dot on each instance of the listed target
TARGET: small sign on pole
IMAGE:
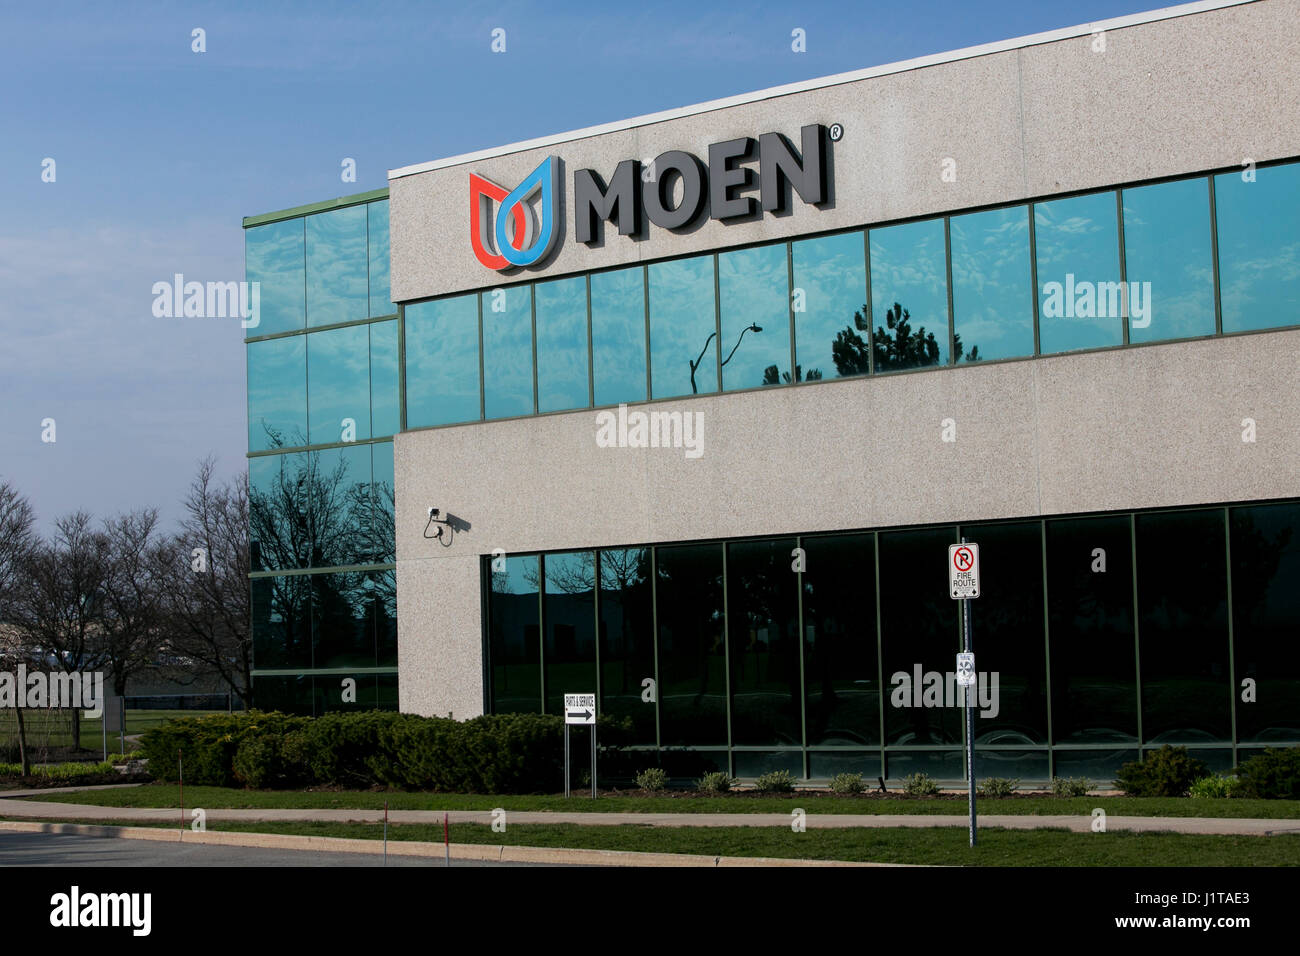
(580, 709)
(965, 670)
(963, 571)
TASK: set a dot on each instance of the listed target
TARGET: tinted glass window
(627, 639)
(281, 621)
(383, 603)
(763, 638)
(562, 344)
(829, 300)
(570, 614)
(692, 646)
(618, 335)
(338, 380)
(754, 296)
(1259, 245)
(380, 297)
(1079, 293)
(909, 296)
(338, 523)
(343, 627)
(275, 257)
(442, 372)
(1183, 627)
(277, 512)
(841, 682)
(1265, 609)
(382, 527)
(277, 393)
(514, 634)
(1168, 260)
(992, 284)
(508, 351)
(337, 266)
(384, 401)
(683, 328)
(1090, 606)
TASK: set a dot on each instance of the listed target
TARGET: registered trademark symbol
(837, 132)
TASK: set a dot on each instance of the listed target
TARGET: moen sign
(512, 235)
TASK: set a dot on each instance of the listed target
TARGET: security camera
(434, 512)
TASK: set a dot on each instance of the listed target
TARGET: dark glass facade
(323, 404)
(1095, 636)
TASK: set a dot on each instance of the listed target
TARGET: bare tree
(16, 543)
(207, 588)
(132, 605)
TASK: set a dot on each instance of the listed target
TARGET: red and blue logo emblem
(512, 235)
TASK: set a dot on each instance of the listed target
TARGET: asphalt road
(62, 849)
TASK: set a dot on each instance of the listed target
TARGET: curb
(459, 851)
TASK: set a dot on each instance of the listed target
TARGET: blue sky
(161, 151)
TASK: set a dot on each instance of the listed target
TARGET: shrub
(847, 783)
(1215, 787)
(776, 781)
(1167, 772)
(998, 787)
(717, 782)
(652, 780)
(1071, 786)
(1273, 774)
(919, 785)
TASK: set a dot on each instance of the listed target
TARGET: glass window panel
(291, 695)
(692, 646)
(755, 763)
(508, 351)
(277, 393)
(754, 295)
(1077, 242)
(382, 596)
(909, 296)
(1183, 627)
(382, 526)
(514, 636)
(920, 637)
(1099, 766)
(274, 257)
(830, 311)
(328, 693)
(992, 284)
(337, 266)
(562, 345)
(386, 688)
(569, 654)
(945, 765)
(842, 682)
(343, 627)
(823, 765)
(442, 368)
(381, 299)
(281, 622)
(683, 325)
(277, 512)
(1168, 260)
(338, 384)
(384, 415)
(1090, 608)
(627, 639)
(1023, 765)
(763, 640)
(1265, 609)
(1007, 631)
(618, 335)
(1259, 247)
(338, 524)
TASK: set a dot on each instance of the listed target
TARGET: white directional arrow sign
(579, 708)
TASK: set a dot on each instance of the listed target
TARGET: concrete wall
(1169, 97)
(1157, 425)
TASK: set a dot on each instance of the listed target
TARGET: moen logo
(515, 237)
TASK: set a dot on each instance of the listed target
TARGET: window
(442, 362)
(277, 393)
(683, 328)
(1169, 265)
(754, 297)
(508, 352)
(909, 296)
(992, 285)
(274, 257)
(1259, 247)
(830, 313)
(562, 345)
(337, 266)
(1079, 292)
(618, 336)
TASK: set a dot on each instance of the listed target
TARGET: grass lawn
(945, 846)
(220, 798)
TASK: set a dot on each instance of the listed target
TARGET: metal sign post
(964, 584)
(580, 709)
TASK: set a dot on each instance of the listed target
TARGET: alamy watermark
(651, 430)
(80, 690)
(1098, 300)
(179, 299)
(933, 689)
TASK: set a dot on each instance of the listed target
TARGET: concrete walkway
(13, 809)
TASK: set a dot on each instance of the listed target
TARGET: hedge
(507, 753)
